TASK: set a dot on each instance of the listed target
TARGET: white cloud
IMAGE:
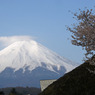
(5, 41)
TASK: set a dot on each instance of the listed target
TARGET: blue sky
(45, 20)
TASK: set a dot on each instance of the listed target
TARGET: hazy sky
(45, 21)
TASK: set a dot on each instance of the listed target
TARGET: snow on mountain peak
(23, 54)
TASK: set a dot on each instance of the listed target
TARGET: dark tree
(83, 33)
(13, 92)
(2, 93)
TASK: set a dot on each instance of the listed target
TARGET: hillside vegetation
(80, 81)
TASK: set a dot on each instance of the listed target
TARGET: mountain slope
(22, 54)
(30, 62)
(80, 81)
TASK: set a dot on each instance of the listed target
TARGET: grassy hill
(80, 81)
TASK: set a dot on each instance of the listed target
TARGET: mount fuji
(25, 63)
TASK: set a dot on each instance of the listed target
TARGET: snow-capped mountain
(25, 63)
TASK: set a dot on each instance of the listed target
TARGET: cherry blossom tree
(83, 33)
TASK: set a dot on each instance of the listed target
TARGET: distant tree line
(12, 92)
(20, 91)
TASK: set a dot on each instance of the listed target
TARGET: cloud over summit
(5, 41)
